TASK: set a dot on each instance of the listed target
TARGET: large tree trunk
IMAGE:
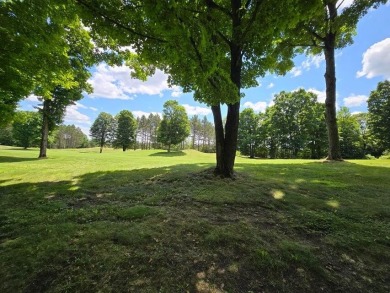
(330, 80)
(44, 131)
(330, 102)
(226, 141)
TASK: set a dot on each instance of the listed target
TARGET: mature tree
(174, 127)
(248, 132)
(224, 47)
(317, 136)
(195, 125)
(291, 120)
(154, 123)
(6, 135)
(126, 130)
(207, 136)
(379, 113)
(38, 41)
(26, 127)
(351, 145)
(70, 136)
(103, 129)
(329, 29)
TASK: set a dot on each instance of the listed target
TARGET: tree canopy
(379, 113)
(126, 130)
(174, 127)
(213, 48)
(103, 129)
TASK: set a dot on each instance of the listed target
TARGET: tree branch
(313, 33)
(211, 4)
(118, 24)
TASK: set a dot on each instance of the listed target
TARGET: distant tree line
(295, 127)
(25, 131)
(173, 129)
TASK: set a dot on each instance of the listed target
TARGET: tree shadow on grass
(6, 159)
(169, 154)
(176, 229)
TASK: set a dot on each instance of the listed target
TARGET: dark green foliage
(125, 135)
(26, 128)
(351, 144)
(42, 42)
(6, 135)
(103, 129)
(379, 114)
(70, 136)
(249, 132)
(174, 127)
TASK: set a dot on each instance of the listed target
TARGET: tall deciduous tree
(26, 127)
(126, 130)
(328, 29)
(103, 129)
(291, 120)
(37, 51)
(248, 132)
(224, 47)
(174, 127)
(351, 145)
(379, 113)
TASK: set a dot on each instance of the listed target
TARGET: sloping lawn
(148, 221)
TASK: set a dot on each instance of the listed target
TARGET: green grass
(148, 221)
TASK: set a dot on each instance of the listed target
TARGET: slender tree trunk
(219, 139)
(101, 144)
(124, 148)
(44, 131)
(330, 102)
(330, 81)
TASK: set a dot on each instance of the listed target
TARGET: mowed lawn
(149, 221)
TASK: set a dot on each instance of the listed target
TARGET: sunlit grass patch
(144, 221)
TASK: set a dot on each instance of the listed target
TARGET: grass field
(149, 221)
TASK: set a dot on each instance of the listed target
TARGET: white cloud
(33, 98)
(93, 109)
(116, 83)
(376, 60)
(258, 107)
(296, 71)
(176, 91)
(313, 60)
(321, 95)
(271, 85)
(73, 116)
(138, 114)
(355, 100)
(195, 110)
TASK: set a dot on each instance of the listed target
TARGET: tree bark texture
(330, 102)
(226, 138)
(44, 131)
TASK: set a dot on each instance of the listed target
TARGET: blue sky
(359, 68)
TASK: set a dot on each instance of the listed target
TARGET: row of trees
(153, 132)
(25, 131)
(294, 127)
